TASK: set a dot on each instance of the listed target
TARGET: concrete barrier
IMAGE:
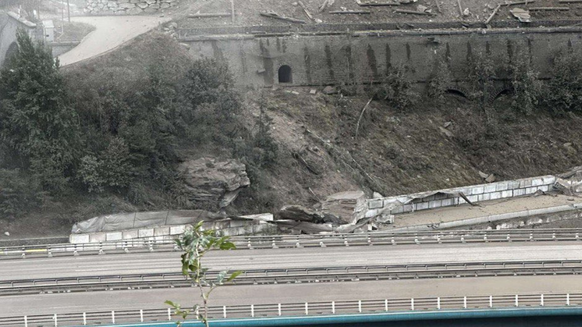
(446, 197)
(224, 227)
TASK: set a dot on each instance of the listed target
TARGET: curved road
(110, 32)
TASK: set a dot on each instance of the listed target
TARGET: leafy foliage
(440, 81)
(36, 123)
(18, 193)
(526, 86)
(397, 90)
(196, 243)
(564, 89)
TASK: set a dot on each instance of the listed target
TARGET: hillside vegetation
(127, 119)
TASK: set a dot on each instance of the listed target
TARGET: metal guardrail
(304, 241)
(304, 309)
(295, 275)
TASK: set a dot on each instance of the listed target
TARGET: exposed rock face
(214, 184)
(128, 7)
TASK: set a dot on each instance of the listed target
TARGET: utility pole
(69, 10)
(232, 10)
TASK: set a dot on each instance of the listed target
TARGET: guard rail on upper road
(305, 309)
(301, 241)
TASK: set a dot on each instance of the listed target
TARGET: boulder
(214, 184)
(349, 207)
(300, 213)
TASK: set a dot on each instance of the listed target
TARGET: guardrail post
(274, 245)
(542, 300)
(279, 309)
(252, 310)
(568, 299)
(249, 245)
(491, 301)
(306, 308)
(577, 236)
(438, 303)
(393, 241)
(360, 306)
(84, 319)
(113, 317)
(101, 248)
(386, 304)
(554, 236)
(56, 320)
(516, 300)
(321, 244)
(170, 314)
(75, 252)
(25, 321)
(224, 311)
(464, 302)
(463, 239)
(439, 239)
(50, 252)
(333, 307)
(141, 315)
(369, 240)
(412, 304)
(126, 249)
(508, 238)
(485, 238)
(297, 244)
(416, 240)
(150, 246)
(23, 253)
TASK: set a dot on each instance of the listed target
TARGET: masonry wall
(363, 57)
(128, 7)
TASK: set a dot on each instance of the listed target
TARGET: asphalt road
(288, 293)
(288, 258)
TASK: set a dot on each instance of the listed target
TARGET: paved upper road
(110, 32)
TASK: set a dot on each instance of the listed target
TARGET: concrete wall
(319, 59)
(226, 228)
(475, 193)
(59, 48)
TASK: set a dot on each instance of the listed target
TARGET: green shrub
(526, 86)
(36, 122)
(563, 91)
(19, 193)
(397, 90)
(439, 82)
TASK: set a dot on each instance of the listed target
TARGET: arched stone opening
(285, 74)
(456, 92)
(12, 50)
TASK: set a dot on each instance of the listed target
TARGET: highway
(293, 293)
(163, 262)
(289, 258)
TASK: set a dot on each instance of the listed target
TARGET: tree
(195, 243)
(37, 126)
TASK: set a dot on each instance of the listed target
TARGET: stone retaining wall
(475, 193)
(128, 7)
